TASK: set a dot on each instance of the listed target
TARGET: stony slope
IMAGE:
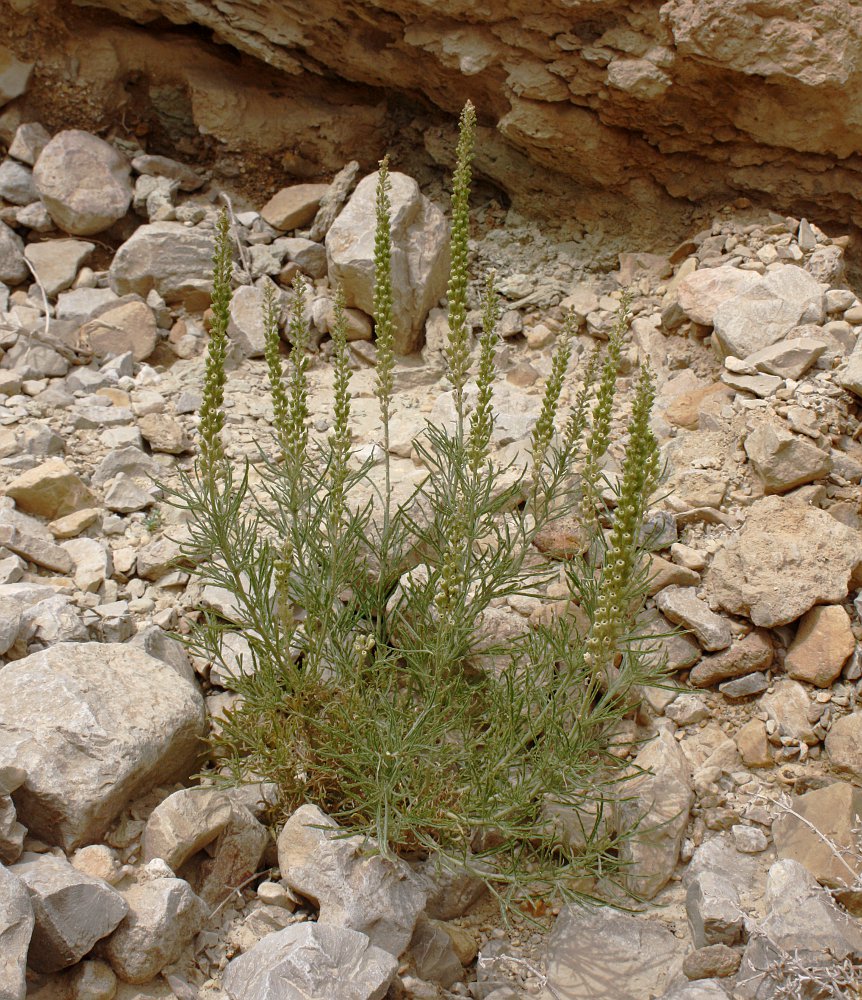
(117, 877)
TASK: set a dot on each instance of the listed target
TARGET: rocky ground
(118, 878)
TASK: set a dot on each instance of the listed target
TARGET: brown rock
(752, 744)
(50, 490)
(294, 206)
(844, 744)
(684, 411)
(663, 573)
(745, 656)
(127, 327)
(821, 837)
(163, 433)
(822, 645)
(786, 558)
(713, 960)
(565, 538)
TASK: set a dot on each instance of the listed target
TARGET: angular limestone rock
(183, 824)
(94, 725)
(661, 801)
(73, 911)
(597, 953)
(308, 960)
(16, 929)
(784, 461)
(355, 889)
(786, 558)
(51, 490)
(821, 837)
(767, 312)
(163, 917)
(420, 255)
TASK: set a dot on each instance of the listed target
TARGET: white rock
(786, 558)
(13, 269)
(170, 257)
(660, 799)
(83, 182)
(92, 560)
(420, 255)
(73, 911)
(16, 183)
(164, 915)
(308, 960)
(94, 725)
(701, 293)
(598, 953)
(30, 139)
(368, 893)
(14, 75)
(768, 311)
(16, 928)
(184, 823)
(784, 461)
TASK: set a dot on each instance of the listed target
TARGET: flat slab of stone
(601, 954)
(94, 725)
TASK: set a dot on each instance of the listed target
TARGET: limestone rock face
(622, 96)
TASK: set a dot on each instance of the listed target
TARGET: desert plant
(379, 689)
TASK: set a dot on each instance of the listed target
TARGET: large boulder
(83, 182)
(786, 558)
(702, 292)
(768, 311)
(420, 255)
(93, 726)
(169, 257)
